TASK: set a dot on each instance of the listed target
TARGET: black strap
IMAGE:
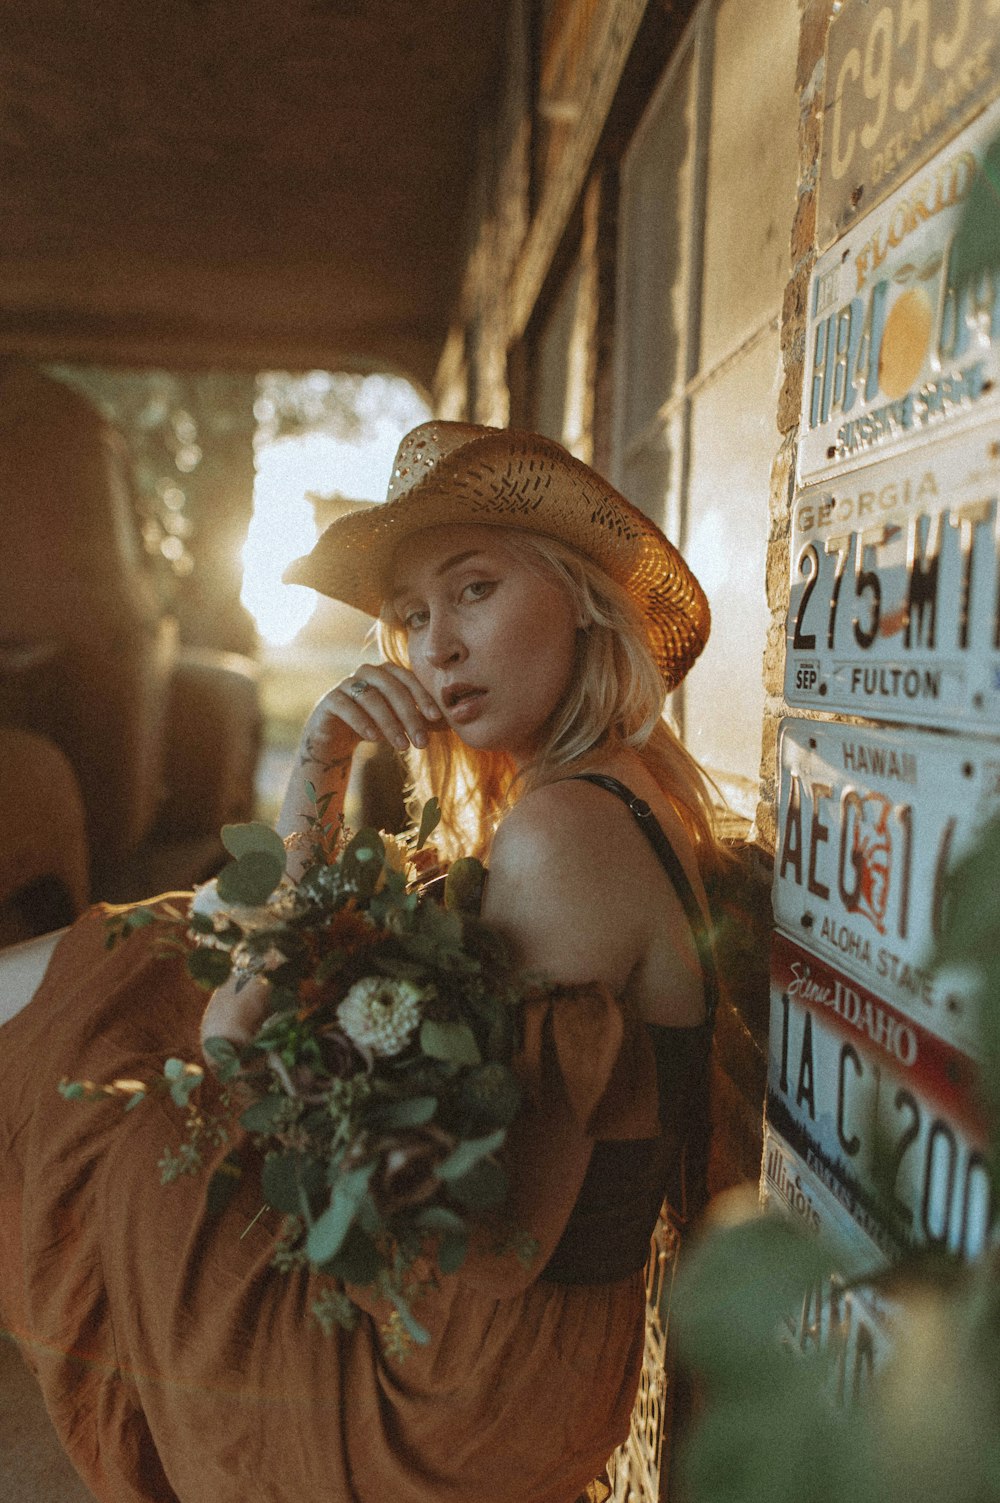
(653, 831)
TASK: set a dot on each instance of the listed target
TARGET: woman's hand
(379, 702)
(236, 1014)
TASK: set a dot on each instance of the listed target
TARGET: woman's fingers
(381, 701)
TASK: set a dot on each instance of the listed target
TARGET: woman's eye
(478, 589)
(412, 620)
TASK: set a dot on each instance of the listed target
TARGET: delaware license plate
(896, 350)
(895, 594)
(869, 824)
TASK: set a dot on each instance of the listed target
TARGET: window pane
(563, 407)
(652, 294)
(651, 475)
(752, 166)
(733, 441)
(552, 360)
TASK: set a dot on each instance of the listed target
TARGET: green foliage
(411, 1111)
(414, 1329)
(265, 1115)
(733, 1298)
(491, 1095)
(970, 945)
(223, 1057)
(250, 880)
(184, 1079)
(125, 922)
(454, 1042)
(332, 1307)
(482, 1188)
(327, 1235)
(378, 1089)
(186, 1160)
(468, 1154)
(210, 968)
(976, 248)
(284, 1179)
(245, 840)
(360, 1261)
(430, 818)
(463, 886)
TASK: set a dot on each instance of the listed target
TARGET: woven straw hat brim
(521, 481)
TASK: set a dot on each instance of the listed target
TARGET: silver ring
(358, 687)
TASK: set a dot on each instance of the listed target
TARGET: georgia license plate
(894, 606)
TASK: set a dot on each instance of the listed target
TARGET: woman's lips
(463, 703)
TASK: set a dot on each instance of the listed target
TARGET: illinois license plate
(880, 1110)
(869, 824)
(895, 593)
(896, 349)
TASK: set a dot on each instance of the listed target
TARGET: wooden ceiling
(238, 183)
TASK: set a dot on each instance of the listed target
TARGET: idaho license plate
(880, 1109)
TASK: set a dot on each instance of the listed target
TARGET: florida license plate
(897, 348)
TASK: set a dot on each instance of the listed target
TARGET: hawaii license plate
(895, 594)
(869, 824)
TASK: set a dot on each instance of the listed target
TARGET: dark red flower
(406, 1173)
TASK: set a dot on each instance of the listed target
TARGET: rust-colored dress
(177, 1364)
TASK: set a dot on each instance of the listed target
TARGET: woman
(531, 622)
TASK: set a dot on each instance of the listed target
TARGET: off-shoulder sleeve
(588, 1072)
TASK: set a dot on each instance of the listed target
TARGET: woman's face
(492, 639)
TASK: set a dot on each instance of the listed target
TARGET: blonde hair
(615, 699)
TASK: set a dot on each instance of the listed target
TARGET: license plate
(869, 824)
(853, 1325)
(895, 350)
(879, 1109)
(900, 79)
(804, 1195)
(894, 605)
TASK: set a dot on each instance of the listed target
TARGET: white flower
(397, 858)
(380, 1014)
(247, 959)
(205, 901)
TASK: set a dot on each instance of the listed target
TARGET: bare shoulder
(553, 889)
(552, 824)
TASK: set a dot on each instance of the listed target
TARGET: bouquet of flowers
(379, 1084)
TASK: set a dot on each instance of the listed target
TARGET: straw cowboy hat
(464, 473)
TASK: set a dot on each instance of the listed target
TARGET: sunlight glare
(282, 528)
(292, 470)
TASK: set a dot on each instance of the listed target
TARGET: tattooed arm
(323, 760)
(380, 702)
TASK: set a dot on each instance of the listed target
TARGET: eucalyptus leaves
(378, 1090)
